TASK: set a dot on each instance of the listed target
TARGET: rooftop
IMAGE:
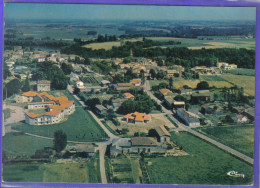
(165, 91)
(162, 131)
(144, 141)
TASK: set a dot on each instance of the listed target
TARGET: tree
(179, 98)
(12, 87)
(26, 86)
(163, 85)
(142, 73)
(93, 102)
(202, 85)
(60, 80)
(160, 75)
(152, 73)
(60, 141)
(6, 71)
(170, 82)
(67, 68)
(76, 90)
(228, 119)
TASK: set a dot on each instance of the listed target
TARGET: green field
(248, 72)
(80, 126)
(68, 172)
(247, 82)
(234, 42)
(206, 164)
(121, 170)
(240, 138)
(23, 144)
(210, 78)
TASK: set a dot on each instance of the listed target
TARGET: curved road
(202, 136)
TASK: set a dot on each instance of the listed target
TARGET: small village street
(183, 127)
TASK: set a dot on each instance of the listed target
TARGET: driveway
(17, 114)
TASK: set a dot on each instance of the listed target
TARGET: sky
(125, 12)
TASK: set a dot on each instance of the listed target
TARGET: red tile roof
(138, 116)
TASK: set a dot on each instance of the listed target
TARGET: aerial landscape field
(94, 95)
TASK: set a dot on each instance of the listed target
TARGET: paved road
(202, 136)
(102, 146)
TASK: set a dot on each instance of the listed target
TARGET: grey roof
(250, 111)
(105, 82)
(169, 99)
(162, 131)
(188, 116)
(144, 141)
(201, 94)
(100, 107)
(124, 85)
(122, 142)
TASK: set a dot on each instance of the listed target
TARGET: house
(169, 101)
(171, 73)
(201, 96)
(41, 59)
(237, 109)
(123, 86)
(79, 84)
(29, 96)
(74, 77)
(178, 104)
(136, 145)
(57, 108)
(185, 91)
(226, 66)
(206, 109)
(146, 145)
(187, 118)
(119, 146)
(100, 109)
(137, 118)
(166, 92)
(105, 83)
(136, 82)
(162, 134)
(240, 118)
(249, 113)
(43, 85)
(116, 103)
(128, 96)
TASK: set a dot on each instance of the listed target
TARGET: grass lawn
(7, 113)
(239, 137)
(66, 172)
(206, 164)
(80, 126)
(247, 82)
(73, 172)
(23, 144)
(22, 172)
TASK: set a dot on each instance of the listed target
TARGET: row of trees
(172, 56)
